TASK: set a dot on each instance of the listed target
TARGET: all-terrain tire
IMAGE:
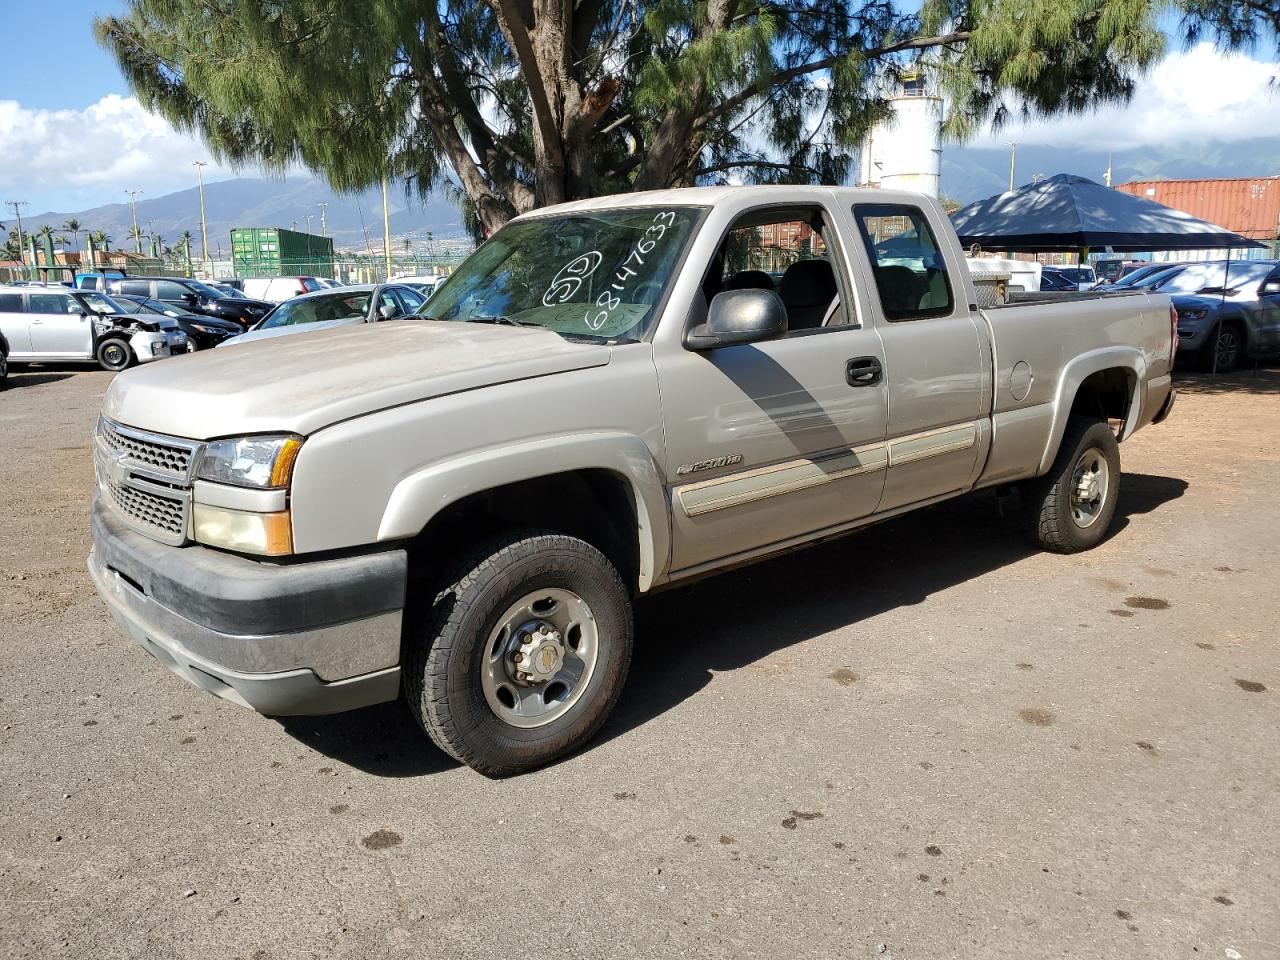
(1050, 514)
(443, 662)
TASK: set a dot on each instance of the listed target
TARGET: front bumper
(312, 637)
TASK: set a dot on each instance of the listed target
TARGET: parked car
(1234, 314)
(329, 283)
(42, 325)
(280, 289)
(203, 333)
(193, 296)
(1109, 271)
(4, 358)
(1083, 277)
(1053, 279)
(596, 408)
(366, 303)
(1133, 277)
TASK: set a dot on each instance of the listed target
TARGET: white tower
(904, 152)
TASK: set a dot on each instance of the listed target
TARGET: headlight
(268, 534)
(215, 331)
(1195, 313)
(263, 462)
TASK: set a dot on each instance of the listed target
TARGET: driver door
(775, 440)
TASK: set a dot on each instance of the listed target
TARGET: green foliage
(517, 103)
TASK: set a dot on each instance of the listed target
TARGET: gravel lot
(925, 740)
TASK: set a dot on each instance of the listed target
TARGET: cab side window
(135, 288)
(786, 252)
(10, 303)
(910, 271)
(168, 290)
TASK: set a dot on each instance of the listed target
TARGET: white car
(280, 289)
(366, 303)
(58, 324)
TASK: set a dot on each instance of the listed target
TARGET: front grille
(165, 514)
(169, 459)
(147, 478)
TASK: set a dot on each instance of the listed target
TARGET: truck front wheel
(524, 654)
(1070, 508)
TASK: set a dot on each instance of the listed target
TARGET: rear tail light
(1173, 332)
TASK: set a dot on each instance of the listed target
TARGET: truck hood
(318, 378)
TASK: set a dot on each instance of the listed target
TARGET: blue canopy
(1066, 213)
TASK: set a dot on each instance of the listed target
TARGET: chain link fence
(348, 268)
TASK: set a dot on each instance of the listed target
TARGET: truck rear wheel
(1070, 508)
(524, 654)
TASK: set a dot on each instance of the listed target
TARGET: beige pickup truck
(607, 397)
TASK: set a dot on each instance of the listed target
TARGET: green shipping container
(272, 252)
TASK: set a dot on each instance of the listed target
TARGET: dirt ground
(924, 740)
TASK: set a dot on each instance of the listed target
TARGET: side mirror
(386, 312)
(739, 316)
(1270, 287)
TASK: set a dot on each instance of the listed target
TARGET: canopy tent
(1067, 213)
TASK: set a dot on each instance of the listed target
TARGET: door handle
(863, 371)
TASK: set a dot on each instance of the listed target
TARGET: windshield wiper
(509, 321)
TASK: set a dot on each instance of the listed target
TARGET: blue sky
(72, 137)
(81, 70)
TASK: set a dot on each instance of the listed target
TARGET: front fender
(420, 496)
(1075, 373)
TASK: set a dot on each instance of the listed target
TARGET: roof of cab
(707, 196)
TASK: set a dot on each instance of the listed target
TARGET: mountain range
(971, 173)
(260, 202)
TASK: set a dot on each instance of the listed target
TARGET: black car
(202, 332)
(192, 296)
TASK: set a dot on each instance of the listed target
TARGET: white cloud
(1197, 95)
(65, 160)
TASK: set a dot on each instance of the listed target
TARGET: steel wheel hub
(539, 658)
(1089, 482)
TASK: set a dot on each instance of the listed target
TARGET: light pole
(204, 233)
(1013, 160)
(17, 210)
(324, 226)
(386, 227)
(137, 237)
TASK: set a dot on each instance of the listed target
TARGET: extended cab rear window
(910, 271)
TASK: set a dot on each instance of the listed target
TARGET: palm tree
(74, 226)
(100, 240)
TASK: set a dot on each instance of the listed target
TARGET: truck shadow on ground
(727, 622)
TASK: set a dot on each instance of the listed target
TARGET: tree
(100, 240)
(523, 103)
(73, 226)
(13, 246)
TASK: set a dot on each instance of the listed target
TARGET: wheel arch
(603, 488)
(1104, 383)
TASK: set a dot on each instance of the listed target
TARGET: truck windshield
(598, 274)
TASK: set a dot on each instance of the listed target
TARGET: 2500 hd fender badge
(713, 464)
